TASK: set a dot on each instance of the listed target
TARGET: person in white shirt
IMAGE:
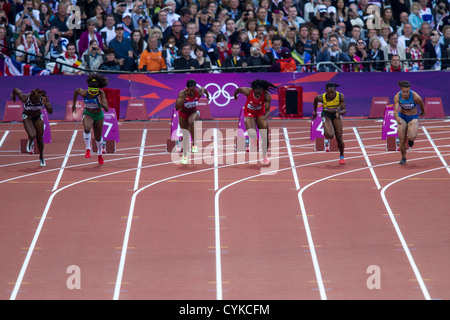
(407, 33)
(28, 12)
(171, 15)
(108, 32)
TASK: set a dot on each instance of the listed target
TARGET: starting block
(319, 144)
(389, 131)
(136, 110)
(13, 111)
(110, 146)
(23, 146)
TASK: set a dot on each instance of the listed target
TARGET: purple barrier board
(160, 91)
(316, 126)
(47, 131)
(389, 128)
(111, 126)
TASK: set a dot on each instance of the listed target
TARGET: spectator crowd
(76, 36)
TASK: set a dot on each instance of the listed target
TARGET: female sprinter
(257, 107)
(32, 117)
(186, 105)
(333, 108)
(407, 117)
(94, 101)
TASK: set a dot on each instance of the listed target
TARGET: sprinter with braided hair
(32, 117)
(257, 107)
(93, 117)
(333, 108)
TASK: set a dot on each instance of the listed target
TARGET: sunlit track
(284, 152)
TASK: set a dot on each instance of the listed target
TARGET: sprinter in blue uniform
(405, 104)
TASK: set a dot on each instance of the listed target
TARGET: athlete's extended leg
(263, 126)
(412, 131)
(192, 119)
(31, 132)
(402, 129)
(184, 126)
(39, 128)
(338, 129)
(87, 124)
(98, 129)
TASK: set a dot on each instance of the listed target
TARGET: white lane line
(291, 158)
(141, 154)
(400, 235)
(216, 160)
(369, 164)
(436, 149)
(4, 137)
(66, 158)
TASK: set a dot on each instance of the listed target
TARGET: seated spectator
(301, 57)
(176, 30)
(185, 62)
(162, 21)
(127, 24)
(111, 63)
(234, 60)
(376, 54)
(122, 48)
(4, 41)
(92, 58)
(152, 59)
(415, 51)
(395, 65)
(45, 15)
(224, 47)
(331, 52)
(56, 45)
(138, 45)
(211, 48)
(203, 60)
(88, 35)
(60, 20)
(435, 50)
(70, 60)
(28, 51)
(203, 22)
(354, 66)
(394, 48)
(28, 13)
(19, 35)
(262, 38)
(274, 53)
(285, 64)
(108, 31)
(138, 13)
(119, 11)
(322, 19)
(99, 16)
(256, 61)
(170, 52)
(404, 40)
(414, 17)
(170, 7)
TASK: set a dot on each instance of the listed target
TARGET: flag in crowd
(11, 67)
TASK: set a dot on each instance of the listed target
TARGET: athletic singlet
(190, 103)
(93, 103)
(29, 106)
(407, 104)
(335, 103)
(254, 104)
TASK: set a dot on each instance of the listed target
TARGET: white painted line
(66, 158)
(436, 149)
(369, 164)
(216, 160)
(4, 137)
(291, 158)
(141, 154)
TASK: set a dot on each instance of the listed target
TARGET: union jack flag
(10, 67)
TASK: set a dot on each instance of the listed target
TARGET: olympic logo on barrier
(220, 92)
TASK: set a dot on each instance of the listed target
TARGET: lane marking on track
(66, 158)
(363, 149)
(5, 134)
(141, 154)
(436, 149)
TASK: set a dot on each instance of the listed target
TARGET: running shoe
(341, 160)
(87, 155)
(42, 163)
(327, 145)
(30, 146)
(100, 159)
(403, 161)
(194, 149)
(265, 161)
(184, 159)
(410, 143)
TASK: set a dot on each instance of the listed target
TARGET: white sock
(87, 139)
(99, 146)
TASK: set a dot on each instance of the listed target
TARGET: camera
(30, 9)
(221, 44)
(331, 45)
(253, 49)
(56, 36)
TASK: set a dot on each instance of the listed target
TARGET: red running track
(142, 226)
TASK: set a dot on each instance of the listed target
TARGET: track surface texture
(143, 226)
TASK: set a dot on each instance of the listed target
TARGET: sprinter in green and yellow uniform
(333, 108)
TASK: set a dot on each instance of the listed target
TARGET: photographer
(56, 45)
(331, 52)
(322, 18)
(256, 59)
(28, 13)
(93, 58)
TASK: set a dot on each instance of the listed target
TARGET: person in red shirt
(186, 105)
(257, 107)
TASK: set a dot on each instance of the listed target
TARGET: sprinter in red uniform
(186, 105)
(257, 107)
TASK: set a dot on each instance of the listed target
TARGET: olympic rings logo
(220, 92)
